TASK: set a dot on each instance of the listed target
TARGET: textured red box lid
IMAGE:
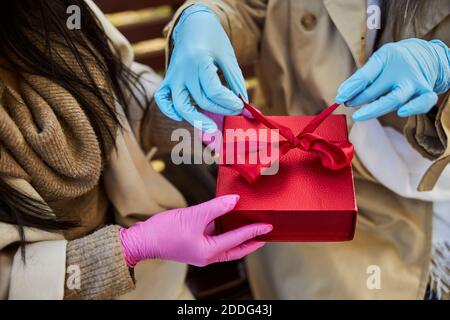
(304, 201)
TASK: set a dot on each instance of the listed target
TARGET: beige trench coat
(304, 51)
(131, 185)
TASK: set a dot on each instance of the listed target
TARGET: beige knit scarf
(47, 139)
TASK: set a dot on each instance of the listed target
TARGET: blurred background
(142, 22)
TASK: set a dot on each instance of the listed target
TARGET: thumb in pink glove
(187, 235)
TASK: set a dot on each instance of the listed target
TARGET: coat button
(309, 21)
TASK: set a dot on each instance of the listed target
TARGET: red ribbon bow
(334, 155)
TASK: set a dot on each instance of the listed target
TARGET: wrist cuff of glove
(131, 263)
(189, 11)
(443, 54)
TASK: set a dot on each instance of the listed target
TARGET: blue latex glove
(200, 46)
(405, 76)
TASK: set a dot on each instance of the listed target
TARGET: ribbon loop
(333, 155)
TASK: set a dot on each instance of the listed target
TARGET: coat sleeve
(429, 134)
(243, 21)
(41, 274)
(92, 267)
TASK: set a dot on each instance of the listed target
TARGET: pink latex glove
(187, 235)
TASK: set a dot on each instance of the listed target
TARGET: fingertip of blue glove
(360, 116)
(209, 128)
(351, 103)
(339, 99)
(403, 113)
(349, 89)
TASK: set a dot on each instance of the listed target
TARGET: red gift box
(304, 200)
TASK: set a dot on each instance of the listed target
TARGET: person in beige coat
(303, 51)
(75, 178)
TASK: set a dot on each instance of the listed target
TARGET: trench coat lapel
(349, 16)
(431, 18)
